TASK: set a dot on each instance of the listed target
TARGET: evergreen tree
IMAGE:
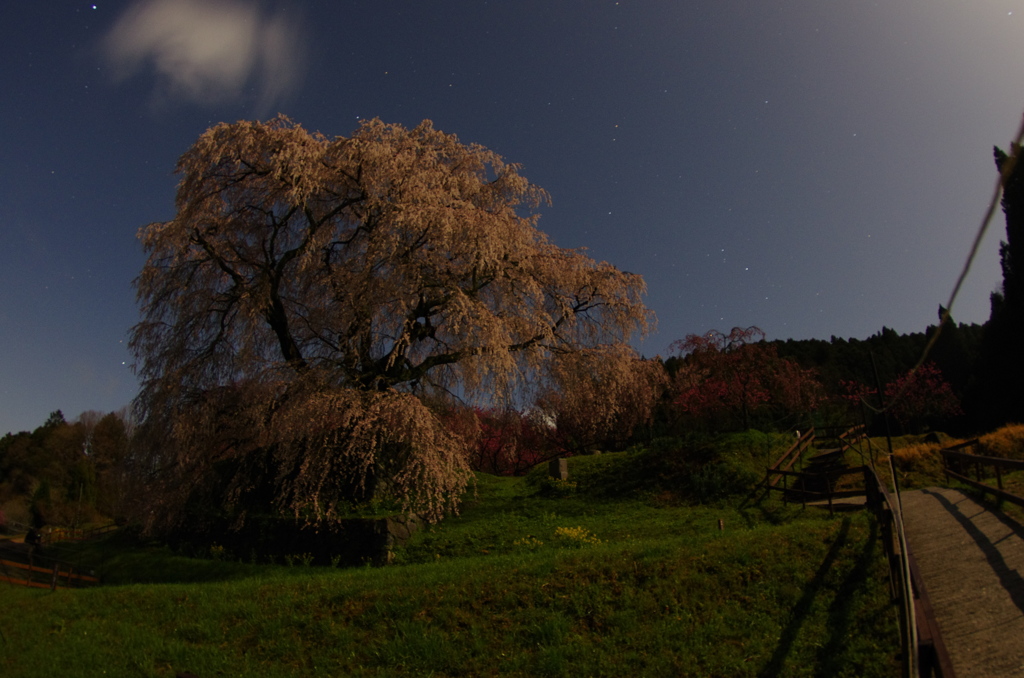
(952, 352)
(998, 397)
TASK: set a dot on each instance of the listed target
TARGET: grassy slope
(497, 591)
(919, 464)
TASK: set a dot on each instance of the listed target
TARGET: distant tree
(720, 374)
(502, 441)
(855, 395)
(310, 291)
(737, 374)
(922, 399)
(597, 399)
(1010, 299)
(794, 391)
(55, 419)
(110, 455)
(954, 352)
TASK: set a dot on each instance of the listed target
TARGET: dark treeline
(736, 381)
(983, 364)
(67, 473)
(886, 355)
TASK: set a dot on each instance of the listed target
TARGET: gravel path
(972, 562)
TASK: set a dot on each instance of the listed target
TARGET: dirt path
(972, 562)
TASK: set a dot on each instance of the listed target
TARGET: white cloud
(207, 51)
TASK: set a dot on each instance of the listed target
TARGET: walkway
(972, 563)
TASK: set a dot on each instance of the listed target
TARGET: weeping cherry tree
(312, 294)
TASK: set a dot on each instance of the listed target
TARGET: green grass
(590, 578)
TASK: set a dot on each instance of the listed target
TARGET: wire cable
(1004, 176)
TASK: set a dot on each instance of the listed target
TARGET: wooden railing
(848, 437)
(784, 463)
(923, 650)
(14, 527)
(854, 436)
(918, 628)
(956, 464)
(56, 576)
(804, 483)
(59, 534)
(23, 565)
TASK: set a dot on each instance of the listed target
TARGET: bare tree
(310, 291)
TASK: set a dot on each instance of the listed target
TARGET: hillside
(611, 573)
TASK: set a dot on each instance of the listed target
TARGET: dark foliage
(997, 396)
(66, 473)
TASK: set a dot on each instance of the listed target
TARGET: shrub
(556, 487)
(1007, 442)
(698, 468)
(576, 536)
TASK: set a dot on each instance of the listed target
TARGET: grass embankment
(919, 464)
(606, 575)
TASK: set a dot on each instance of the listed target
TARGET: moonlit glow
(207, 50)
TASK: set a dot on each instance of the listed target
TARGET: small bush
(576, 536)
(692, 469)
(916, 453)
(1007, 442)
(719, 479)
(528, 542)
(555, 488)
(918, 462)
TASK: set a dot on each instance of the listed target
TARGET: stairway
(823, 479)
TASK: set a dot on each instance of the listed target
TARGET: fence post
(828, 489)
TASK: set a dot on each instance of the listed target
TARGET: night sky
(812, 167)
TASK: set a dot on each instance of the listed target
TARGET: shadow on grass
(767, 510)
(117, 561)
(803, 607)
(840, 613)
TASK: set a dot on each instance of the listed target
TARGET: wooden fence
(854, 436)
(59, 534)
(44, 573)
(821, 484)
(918, 628)
(957, 464)
(784, 463)
(923, 650)
(23, 565)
